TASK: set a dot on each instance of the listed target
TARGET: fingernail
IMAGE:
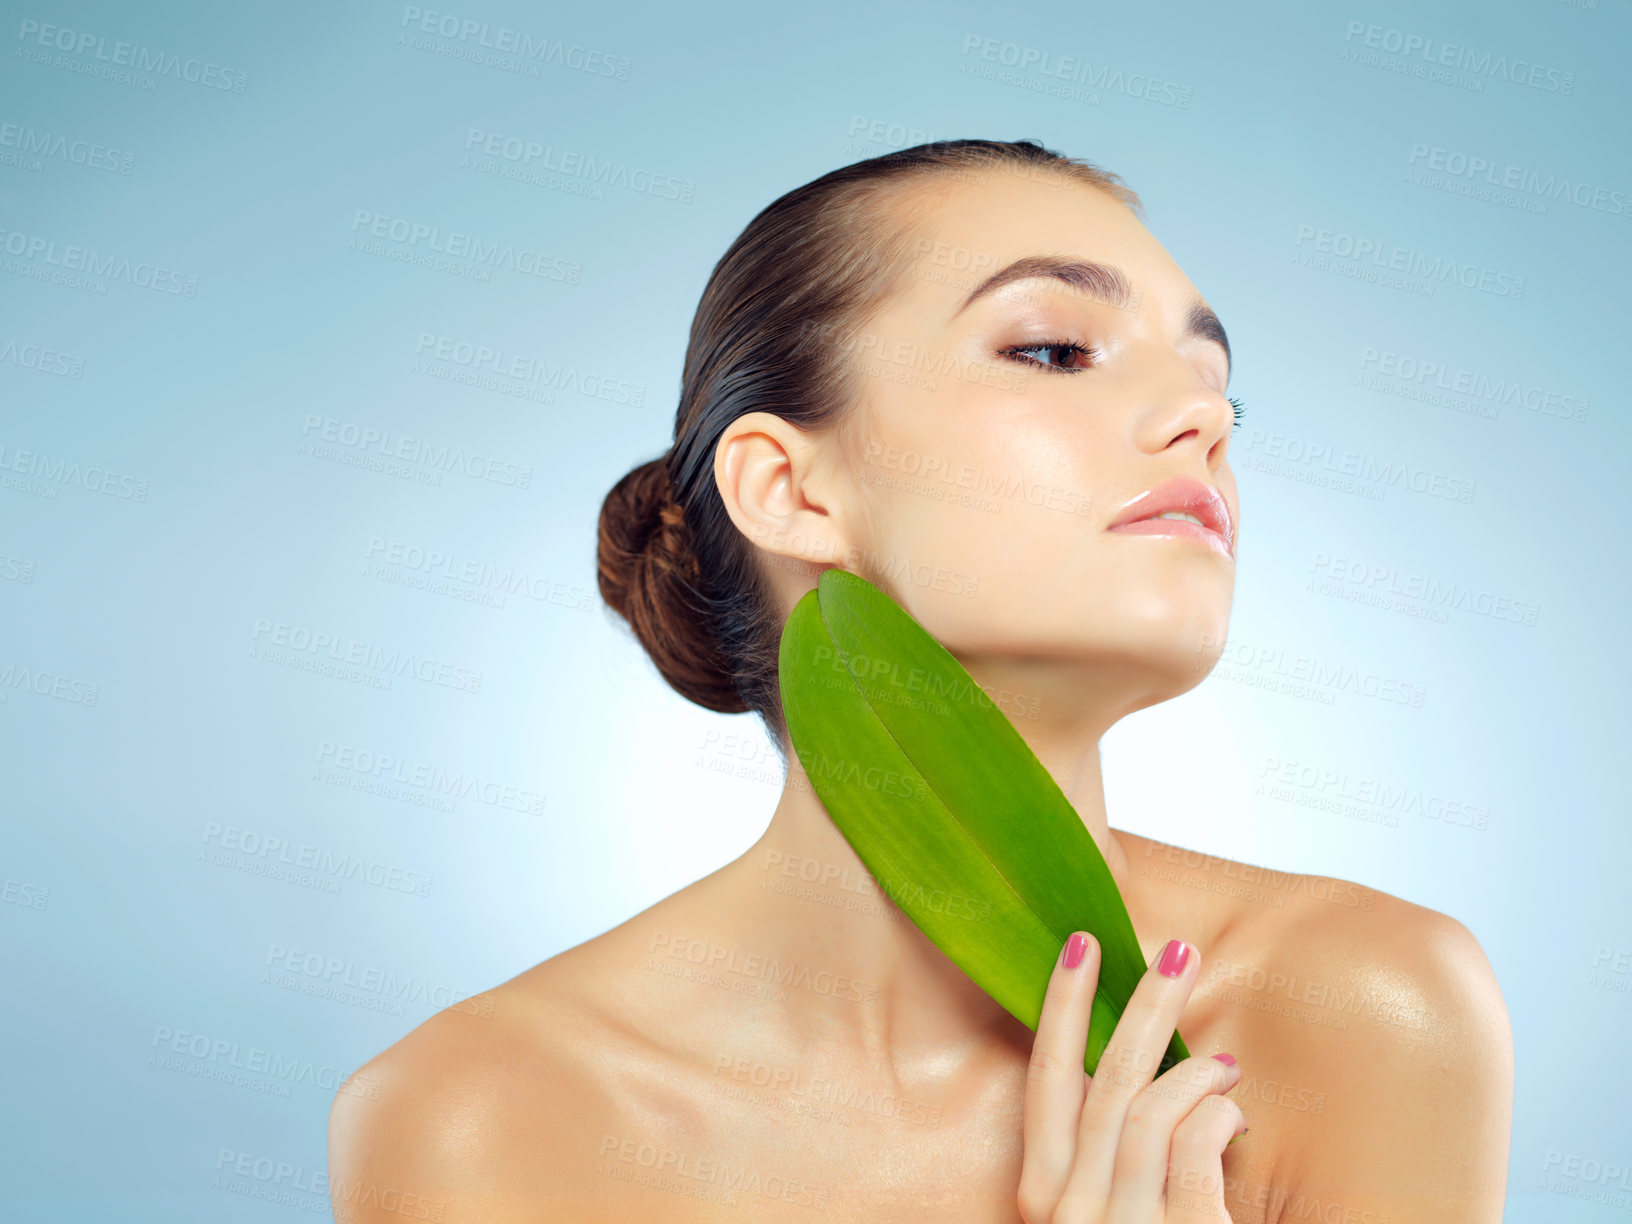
(1173, 959)
(1227, 1059)
(1075, 948)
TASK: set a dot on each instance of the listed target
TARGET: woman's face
(1000, 436)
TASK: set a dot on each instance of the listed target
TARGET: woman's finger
(1145, 1161)
(1055, 1080)
(1128, 1064)
(1195, 1178)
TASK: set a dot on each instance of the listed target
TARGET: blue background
(160, 756)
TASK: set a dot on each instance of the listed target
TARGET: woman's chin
(1165, 659)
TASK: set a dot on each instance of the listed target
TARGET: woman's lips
(1178, 529)
(1180, 495)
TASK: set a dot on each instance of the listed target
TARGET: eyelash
(1072, 346)
(1052, 345)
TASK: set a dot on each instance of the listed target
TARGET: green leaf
(948, 807)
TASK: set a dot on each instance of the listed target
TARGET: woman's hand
(1115, 1147)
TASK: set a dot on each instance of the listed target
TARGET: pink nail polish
(1227, 1059)
(1173, 959)
(1075, 947)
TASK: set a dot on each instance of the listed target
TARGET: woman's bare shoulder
(1412, 1048)
(1388, 1016)
(1407, 976)
(1268, 904)
(1319, 947)
(1399, 964)
(493, 1109)
(1371, 1031)
(436, 1120)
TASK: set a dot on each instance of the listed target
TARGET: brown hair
(817, 262)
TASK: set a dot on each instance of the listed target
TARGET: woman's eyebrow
(1105, 282)
(1201, 321)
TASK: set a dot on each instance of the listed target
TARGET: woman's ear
(777, 490)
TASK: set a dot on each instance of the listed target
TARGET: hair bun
(649, 574)
(640, 527)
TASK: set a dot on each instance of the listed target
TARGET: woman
(967, 372)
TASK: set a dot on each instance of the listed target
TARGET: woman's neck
(871, 981)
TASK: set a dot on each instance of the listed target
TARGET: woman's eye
(1070, 355)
